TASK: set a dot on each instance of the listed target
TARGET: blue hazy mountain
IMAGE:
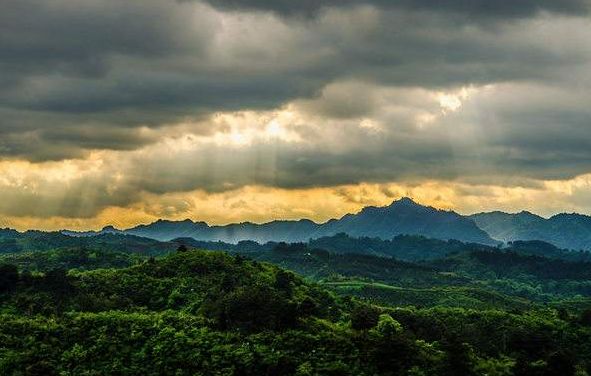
(290, 231)
(571, 231)
(409, 218)
(402, 217)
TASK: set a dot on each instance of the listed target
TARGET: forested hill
(33, 241)
(197, 312)
(401, 247)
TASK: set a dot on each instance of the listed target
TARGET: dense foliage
(74, 258)
(12, 241)
(402, 247)
(471, 311)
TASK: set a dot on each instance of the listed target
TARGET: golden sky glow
(215, 176)
(261, 110)
(262, 204)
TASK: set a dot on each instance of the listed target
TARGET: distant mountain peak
(406, 216)
(402, 216)
(526, 213)
(410, 205)
(405, 201)
(401, 203)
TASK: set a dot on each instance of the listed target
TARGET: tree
(388, 327)
(283, 281)
(460, 359)
(561, 362)
(252, 308)
(57, 281)
(364, 317)
(8, 277)
(586, 317)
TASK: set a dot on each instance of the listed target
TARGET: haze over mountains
(402, 217)
(572, 231)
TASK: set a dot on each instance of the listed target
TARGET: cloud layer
(109, 103)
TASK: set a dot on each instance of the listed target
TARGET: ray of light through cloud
(227, 111)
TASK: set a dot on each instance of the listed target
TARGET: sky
(116, 112)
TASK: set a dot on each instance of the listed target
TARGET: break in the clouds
(133, 105)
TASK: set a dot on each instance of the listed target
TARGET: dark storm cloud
(117, 75)
(41, 135)
(105, 56)
(537, 131)
(107, 59)
(58, 94)
(77, 38)
(473, 8)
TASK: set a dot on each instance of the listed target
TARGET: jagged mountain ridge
(402, 217)
(407, 217)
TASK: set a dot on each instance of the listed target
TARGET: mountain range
(571, 231)
(401, 217)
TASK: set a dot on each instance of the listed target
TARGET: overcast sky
(122, 112)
